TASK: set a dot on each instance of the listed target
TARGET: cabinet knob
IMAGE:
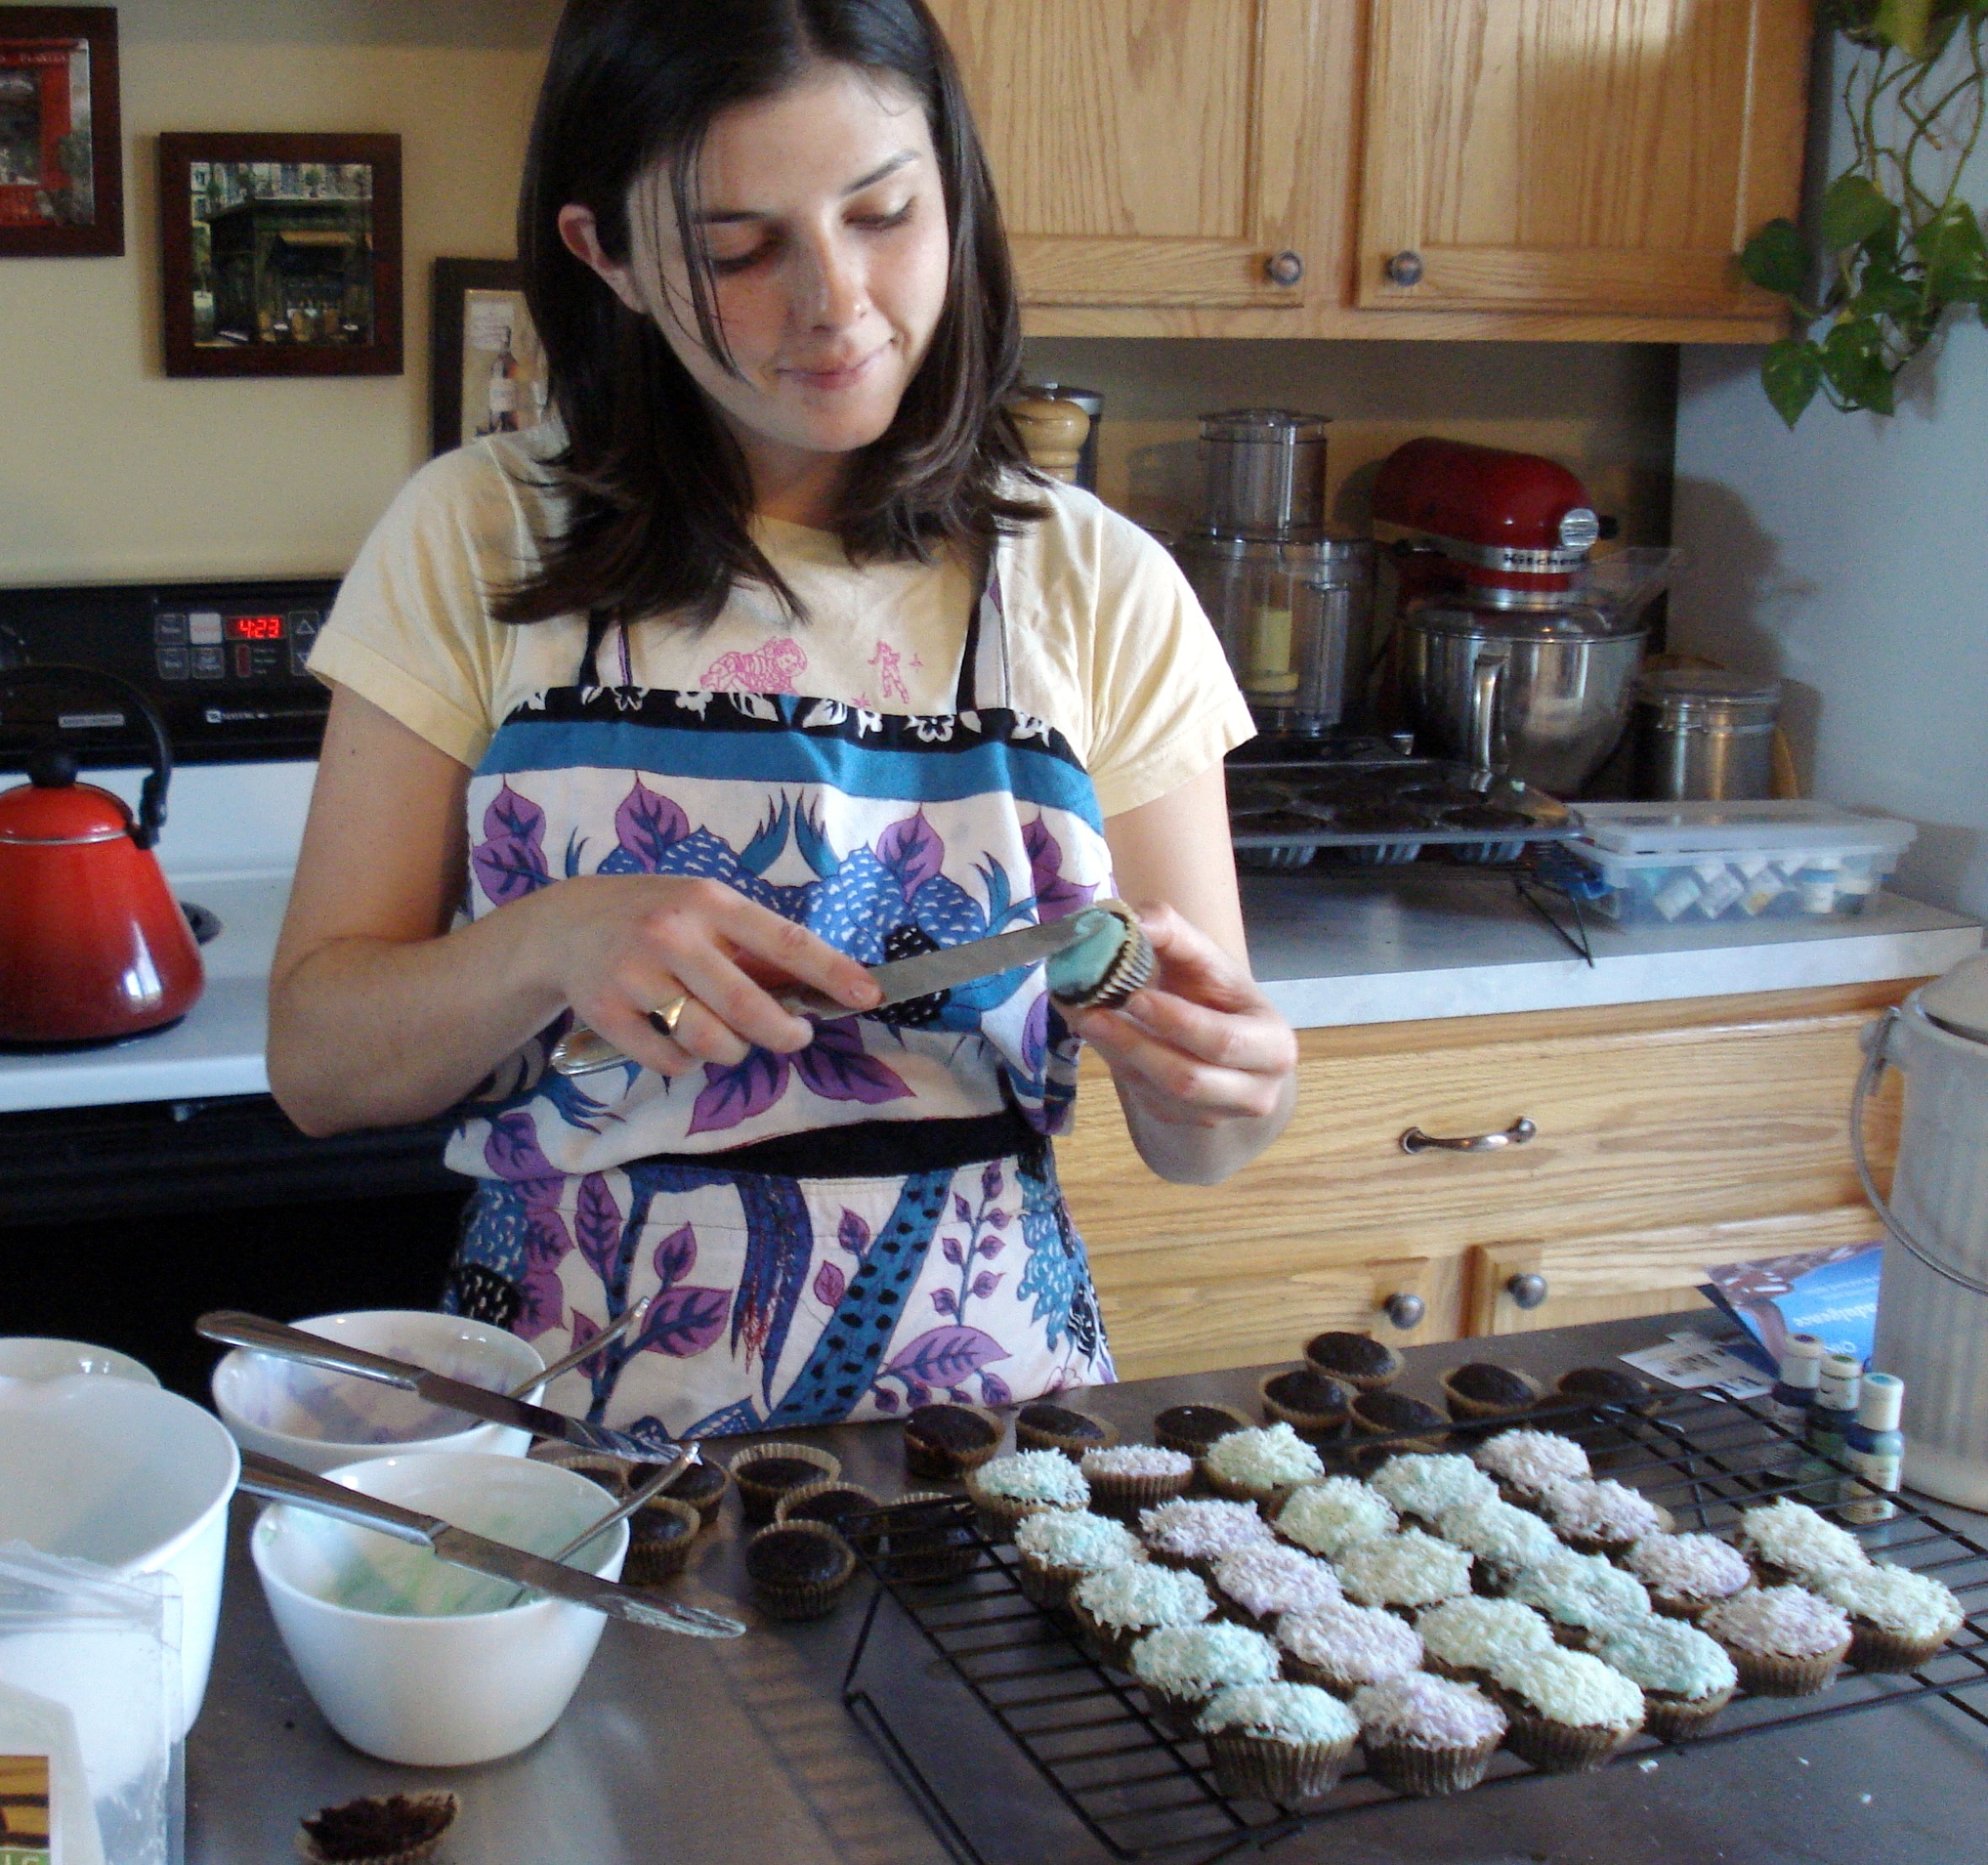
(1404, 1310)
(1285, 269)
(1405, 269)
(1527, 1290)
(1414, 1140)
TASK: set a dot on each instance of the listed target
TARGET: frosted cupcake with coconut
(1009, 1487)
(1262, 1465)
(1059, 1546)
(1567, 1711)
(1118, 1606)
(1601, 1518)
(1181, 1666)
(1686, 1677)
(1196, 1534)
(1257, 1584)
(1499, 1537)
(1685, 1573)
(1422, 1485)
(1523, 1463)
(1580, 1593)
(1898, 1619)
(1786, 1643)
(1468, 1640)
(1324, 1517)
(1426, 1735)
(1404, 1571)
(1277, 1741)
(1341, 1647)
(1789, 1542)
(1126, 1478)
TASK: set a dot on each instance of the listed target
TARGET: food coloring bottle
(1794, 1393)
(1874, 1448)
(1831, 1417)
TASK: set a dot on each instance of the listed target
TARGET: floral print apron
(839, 1234)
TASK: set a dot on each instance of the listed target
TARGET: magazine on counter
(1832, 1294)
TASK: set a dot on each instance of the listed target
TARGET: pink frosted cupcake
(1786, 1643)
(1425, 1735)
(1523, 1463)
(1687, 1573)
(1126, 1478)
(1259, 1583)
(1195, 1535)
(1341, 1647)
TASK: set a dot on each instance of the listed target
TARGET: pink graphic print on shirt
(890, 683)
(768, 670)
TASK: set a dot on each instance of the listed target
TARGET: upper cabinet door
(1576, 156)
(1147, 152)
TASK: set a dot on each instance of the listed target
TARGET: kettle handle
(1876, 1042)
(152, 797)
(1487, 676)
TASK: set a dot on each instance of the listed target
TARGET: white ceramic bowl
(320, 1420)
(128, 1476)
(435, 1691)
(37, 1357)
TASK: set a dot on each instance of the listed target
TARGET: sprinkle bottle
(1794, 1393)
(1874, 1449)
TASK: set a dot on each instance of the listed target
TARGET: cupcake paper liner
(1469, 1411)
(1359, 1382)
(1122, 1497)
(758, 1501)
(1872, 1648)
(1560, 1748)
(1408, 1770)
(1175, 1714)
(649, 1562)
(1269, 1500)
(1315, 1427)
(791, 1500)
(1780, 1675)
(1109, 1645)
(950, 1466)
(802, 1599)
(1678, 1718)
(1254, 1768)
(308, 1847)
(1032, 1437)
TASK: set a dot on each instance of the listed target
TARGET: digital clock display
(255, 627)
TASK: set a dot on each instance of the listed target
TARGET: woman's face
(824, 219)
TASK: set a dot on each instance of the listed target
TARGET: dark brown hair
(658, 496)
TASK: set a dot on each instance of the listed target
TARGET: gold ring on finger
(667, 1016)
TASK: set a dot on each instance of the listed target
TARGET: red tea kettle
(93, 945)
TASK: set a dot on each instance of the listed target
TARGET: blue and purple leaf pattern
(911, 852)
(831, 1284)
(1055, 896)
(646, 823)
(511, 1149)
(676, 1255)
(685, 1321)
(597, 1226)
(734, 1095)
(945, 1356)
(510, 860)
(836, 1067)
(852, 1233)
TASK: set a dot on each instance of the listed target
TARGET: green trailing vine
(1896, 245)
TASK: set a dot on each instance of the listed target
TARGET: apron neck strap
(599, 621)
(984, 672)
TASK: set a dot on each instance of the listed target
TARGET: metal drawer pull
(1527, 1290)
(1404, 1310)
(1414, 1140)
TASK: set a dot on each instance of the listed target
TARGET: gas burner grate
(1141, 1793)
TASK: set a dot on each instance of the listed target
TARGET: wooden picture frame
(61, 143)
(280, 254)
(487, 365)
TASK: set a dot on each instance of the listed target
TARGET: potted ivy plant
(1896, 245)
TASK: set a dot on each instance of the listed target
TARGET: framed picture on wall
(61, 163)
(280, 254)
(488, 374)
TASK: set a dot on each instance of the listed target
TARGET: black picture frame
(473, 302)
(46, 218)
(311, 282)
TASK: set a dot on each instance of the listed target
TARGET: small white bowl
(321, 1421)
(38, 1357)
(435, 1691)
(130, 1477)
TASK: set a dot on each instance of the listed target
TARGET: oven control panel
(224, 663)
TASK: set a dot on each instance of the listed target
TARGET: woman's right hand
(624, 949)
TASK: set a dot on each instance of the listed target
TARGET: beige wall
(108, 470)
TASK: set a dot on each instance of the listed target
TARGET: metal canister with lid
(1703, 735)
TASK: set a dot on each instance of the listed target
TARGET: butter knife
(923, 975)
(280, 1482)
(235, 1329)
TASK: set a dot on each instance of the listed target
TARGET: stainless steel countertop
(742, 1754)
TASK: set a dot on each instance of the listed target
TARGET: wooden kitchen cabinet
(1563, 169)
(1667, 1136)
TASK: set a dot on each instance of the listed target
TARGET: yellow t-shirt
(1105, 638)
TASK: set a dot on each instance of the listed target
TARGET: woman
(767, 661)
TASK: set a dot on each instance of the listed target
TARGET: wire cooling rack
(1142, 1793)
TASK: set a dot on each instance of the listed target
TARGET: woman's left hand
(1200, 1047)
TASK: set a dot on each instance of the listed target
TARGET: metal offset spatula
(235, 1329)
(282, 1482)
(582, 1052)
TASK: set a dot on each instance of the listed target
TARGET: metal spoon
(628, 1318)
(621, 1513)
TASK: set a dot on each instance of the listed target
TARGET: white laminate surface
(1442, 942)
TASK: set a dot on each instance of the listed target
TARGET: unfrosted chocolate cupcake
(659, 1536)
(391, 1829)
(1417, 1425)
(1192, 1428)
(1314, 1403)
(831, 1502)
(1606, 1385)
(923, 1537)
(1047, 1427)
(797, 1570)
(947, 1441)
(765, 1472)
(702, 1485)
(1482, 1390)
(1361, 1361)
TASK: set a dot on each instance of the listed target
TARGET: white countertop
(1425, 943)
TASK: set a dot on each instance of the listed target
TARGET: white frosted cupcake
(1687, 1573)
(1008, 1488)
(1262, 1465)
(1341, 1647)
(1196, 1534)
(1126, 1478)
(1468, 1640)
(1601, 1518)
(1426, 1735)
(1500, 1536)
(1523, 1463)
(1898, 1619)
(1324, 1517)
(1686, 1677)
(1789, 1542)
(1118, 1606)
(1277, 1741)
(1181, 1666)
(1059, 1546)
(1567, 1711)
(1785, 1641)
(1257, 1584)
(1405, 1571)
(1580, 1593)
(1422, 1485)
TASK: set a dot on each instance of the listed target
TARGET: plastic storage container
(1667, 863)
